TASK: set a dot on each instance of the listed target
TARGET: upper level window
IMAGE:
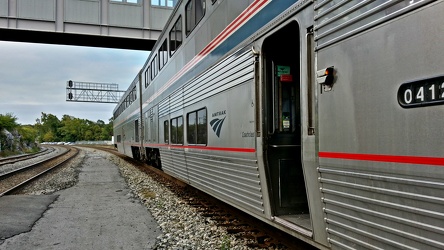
(127, 1)
(194, 11)
(154, 68)
(176, 36)
(147, 74)
(163, 54)
(164, 3)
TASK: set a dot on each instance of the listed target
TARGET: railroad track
(17, 158)
(236, 222)
(17, 178)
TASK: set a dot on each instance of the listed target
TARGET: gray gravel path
(97, 213)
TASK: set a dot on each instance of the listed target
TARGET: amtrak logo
(216, 124)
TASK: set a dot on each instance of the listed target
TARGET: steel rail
(32, 166)
(14, 159)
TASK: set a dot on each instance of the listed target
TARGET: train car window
(154, 68)
(166, 132)
(197, 127)
(147, 80)
(119, 138)
(136, 130)
(177, 130)
(194, 11)
(163, 54)
(176, 36)
(164, 3)
(202, 126)
(191, 128)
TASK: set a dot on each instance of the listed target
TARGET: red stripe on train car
(242, 150)
(423, 160)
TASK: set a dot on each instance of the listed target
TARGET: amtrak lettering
(218, 113)
(217, 123)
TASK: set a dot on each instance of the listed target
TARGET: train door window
(194, 11)
(197, 127)
(147, 80)
(153, 125)
(119, 138)
(166, 131)
(176, 36)
(136, 130)
(154, 68)
(163, 54)
(177, 130)
(146, 127)
(191, 128)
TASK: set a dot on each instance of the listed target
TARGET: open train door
(289, 128)
(283, 147)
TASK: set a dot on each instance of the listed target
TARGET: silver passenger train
(321, 118)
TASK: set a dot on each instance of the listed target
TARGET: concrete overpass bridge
(124, 24)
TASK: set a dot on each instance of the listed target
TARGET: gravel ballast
(181, 224)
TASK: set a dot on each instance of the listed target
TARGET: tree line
(49, 128)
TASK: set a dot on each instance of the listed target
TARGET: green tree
(107, 130)
(50, 123)
(70, 129)
(8, 122)
(28, 134)
(49, 137)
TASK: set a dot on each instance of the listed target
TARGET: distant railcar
(321, 118)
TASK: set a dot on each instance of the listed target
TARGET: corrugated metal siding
(173, 163)
(368, 209)
(227, 74)
(233, 179)
(164, 107)
(82, 11)
(337, 20)
(176, 101)
(227, 176)
(37, 9)
(372, 205)
(126, 15)
(4, 7)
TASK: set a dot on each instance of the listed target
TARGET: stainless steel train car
(321, 118)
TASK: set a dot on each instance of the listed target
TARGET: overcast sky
(33, 78)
